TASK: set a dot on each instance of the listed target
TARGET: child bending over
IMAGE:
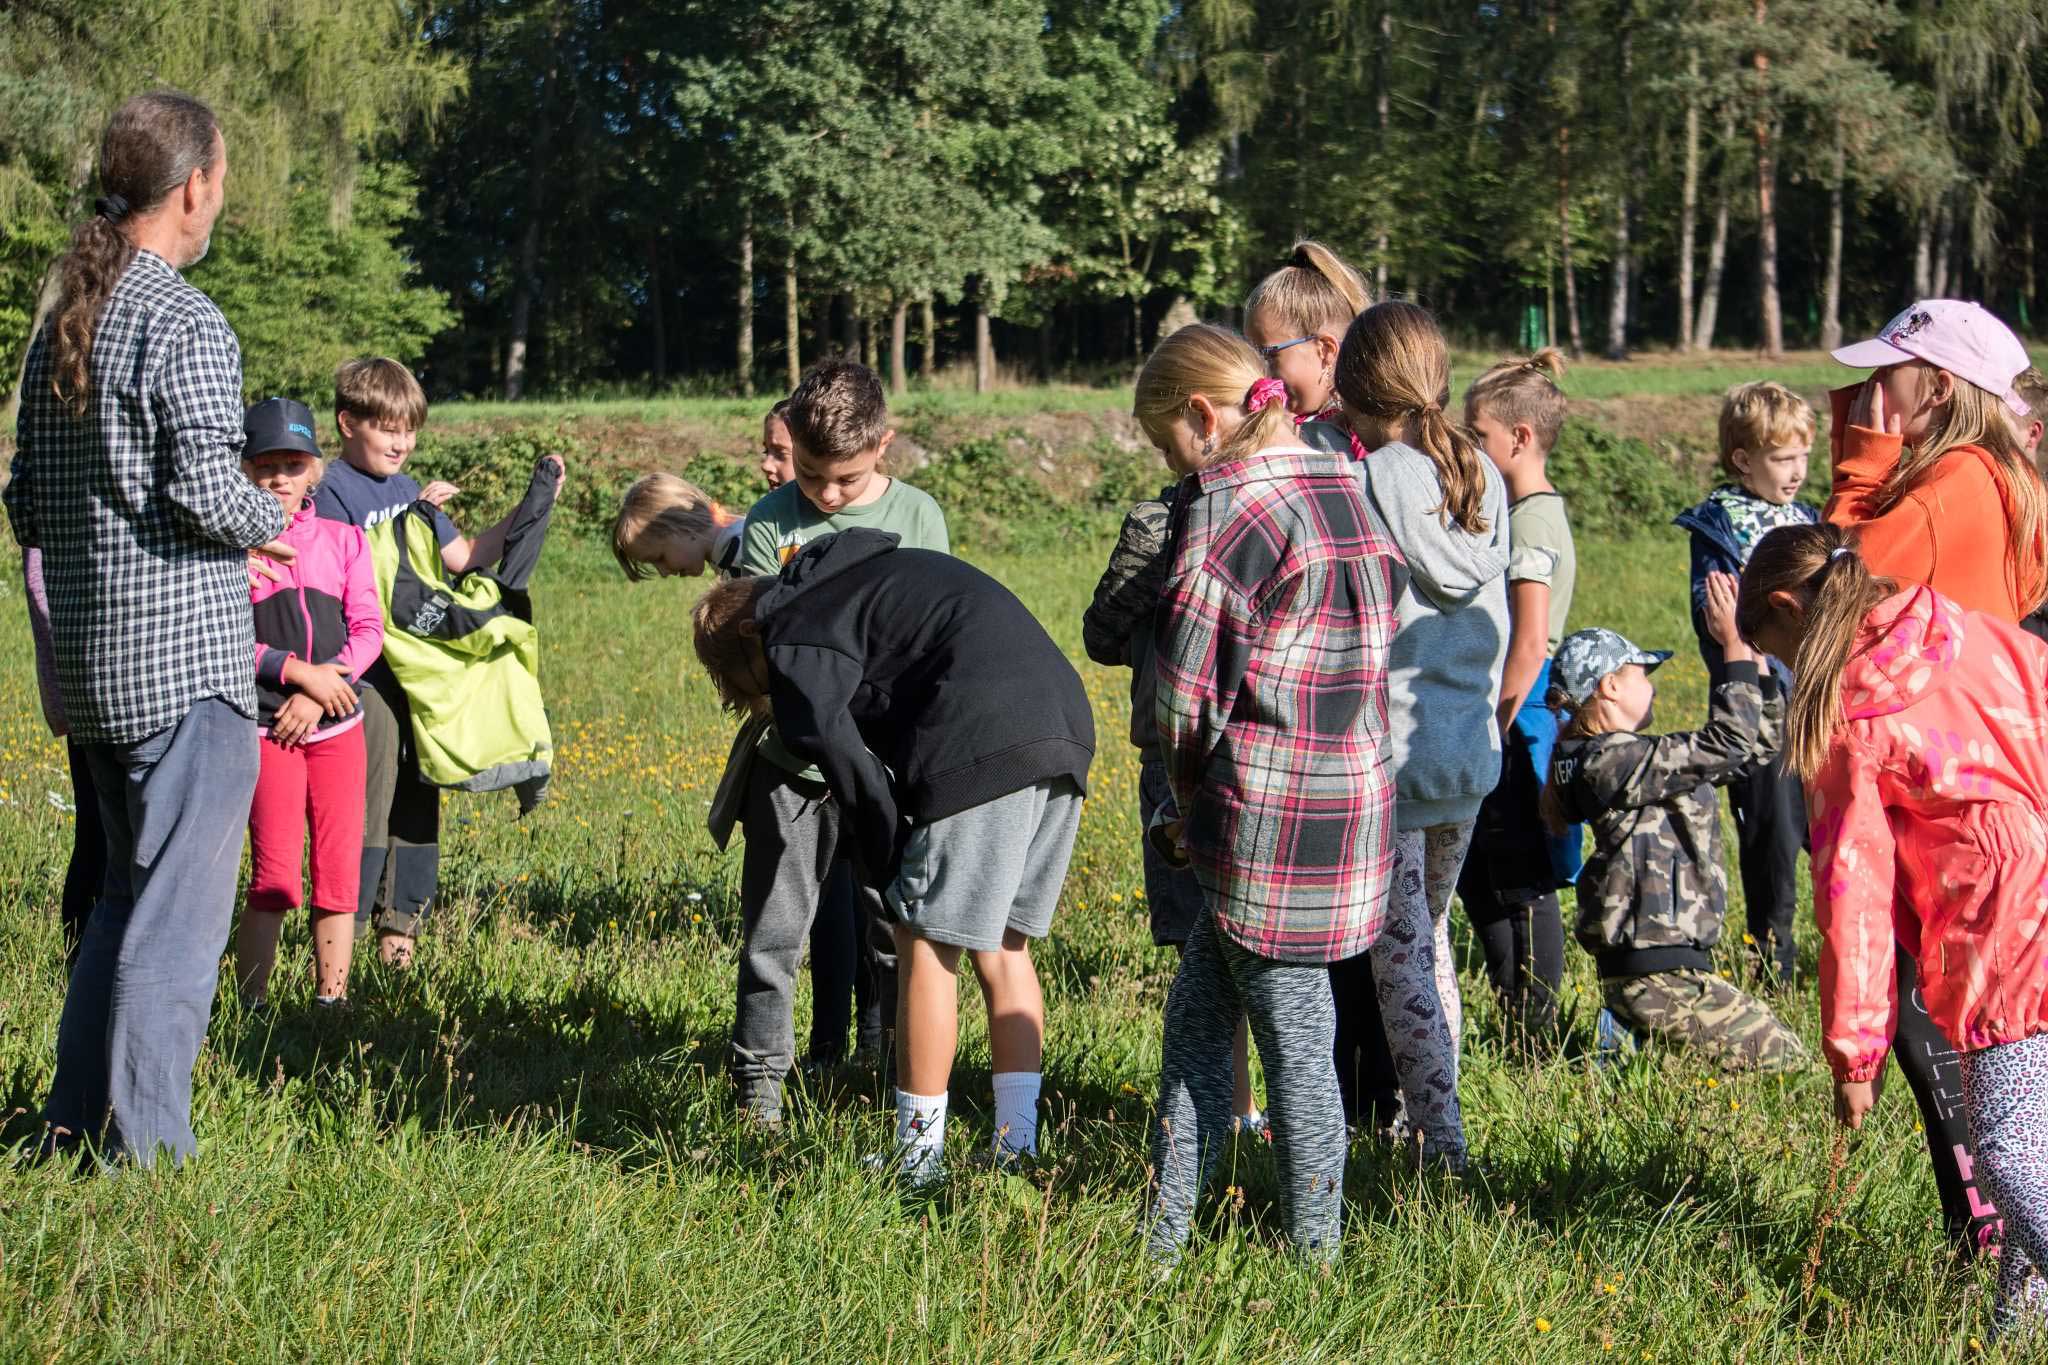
(670, 527)
(955, 739)
(1654, 893)
(1919, 729)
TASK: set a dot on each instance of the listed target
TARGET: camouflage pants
(1703, 1012)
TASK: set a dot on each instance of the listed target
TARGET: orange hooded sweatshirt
(1952, 533)
(1930, 832)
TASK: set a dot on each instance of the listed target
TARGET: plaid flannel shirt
(142, 513)
(1272, 655)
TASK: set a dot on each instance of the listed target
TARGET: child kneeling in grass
(955, 738)
(1654, 894)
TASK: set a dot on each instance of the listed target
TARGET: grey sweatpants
(1293, 1021)
(173, 807)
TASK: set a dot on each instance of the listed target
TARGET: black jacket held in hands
(918, 661)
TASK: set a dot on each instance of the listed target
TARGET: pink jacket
(325, 611)
(1930, 826)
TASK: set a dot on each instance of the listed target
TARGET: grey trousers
(401, 816)
(793, 828)
(174, 807)
(1293, 1021)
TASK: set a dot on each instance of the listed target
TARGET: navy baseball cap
(278, 424)
(1587, 656)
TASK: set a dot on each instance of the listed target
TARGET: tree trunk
(657, 320)
(2027, 301)
(1767, 202)
(899, 325)
(1944, 237)
(523, 283)
(46, 301)
(1923, 257)
(1717, 262)
(849, 327)
(1831, 284)
(867, 343)
(1617, 303)
(1564, 239)
(745, 350)
(1689, 201)
(984, 345)
(928, 325)
(1384, 108)
(792, 321)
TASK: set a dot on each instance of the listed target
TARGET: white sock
(920, 1129)
(1016, 1112)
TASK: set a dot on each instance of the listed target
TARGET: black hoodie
(916, 660)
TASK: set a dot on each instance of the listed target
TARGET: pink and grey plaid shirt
(1273, 639)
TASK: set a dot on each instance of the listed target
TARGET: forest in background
(577, 198)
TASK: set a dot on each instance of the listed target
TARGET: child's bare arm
(1528, 646)
(462, 554)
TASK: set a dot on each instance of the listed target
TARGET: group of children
(339, 754)
(1354, 694)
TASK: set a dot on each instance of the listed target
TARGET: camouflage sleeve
(1642, 770)
(1770, 734)
(1129, 591)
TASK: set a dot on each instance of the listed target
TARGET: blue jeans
(174, 806)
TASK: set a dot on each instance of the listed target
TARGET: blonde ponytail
(1315, 291)
(1820, 567)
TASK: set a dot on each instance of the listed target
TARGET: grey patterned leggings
(2005, 1098)
(1418, 986)
(1293, 1021)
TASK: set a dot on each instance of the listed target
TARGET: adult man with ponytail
(127, 476)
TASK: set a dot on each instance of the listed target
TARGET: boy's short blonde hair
(722, 647)
(379, 389)
(665, 506)
(1762, 416)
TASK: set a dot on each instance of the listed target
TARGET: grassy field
(525, 1149)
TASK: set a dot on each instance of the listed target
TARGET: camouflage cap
(1587, 656)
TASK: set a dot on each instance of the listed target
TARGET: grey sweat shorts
(969, 877)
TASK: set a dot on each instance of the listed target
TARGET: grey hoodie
(1450, 639)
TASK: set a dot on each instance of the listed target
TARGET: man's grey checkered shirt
(142, 512)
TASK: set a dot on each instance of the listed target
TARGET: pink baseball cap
(1962, 338)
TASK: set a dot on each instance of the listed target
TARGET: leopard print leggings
(2005, 1098)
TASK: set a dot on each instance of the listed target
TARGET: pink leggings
(320, 783)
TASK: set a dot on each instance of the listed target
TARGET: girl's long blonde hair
(1818, 565)
(1522, 392)
(1221, 366)
(1316, 289)
(1973, 417)
(660, 505)
(1395, 366)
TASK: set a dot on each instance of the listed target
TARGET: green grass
(525, 1148)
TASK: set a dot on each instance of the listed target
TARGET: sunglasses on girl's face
(1272, 353)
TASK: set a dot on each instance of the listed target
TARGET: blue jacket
(1715, 550)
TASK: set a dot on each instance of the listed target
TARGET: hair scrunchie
(1263, 393)
(111, 207)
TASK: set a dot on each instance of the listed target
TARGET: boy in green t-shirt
(796, 870)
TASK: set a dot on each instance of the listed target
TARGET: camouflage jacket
(1653, 892)
(1116, 629)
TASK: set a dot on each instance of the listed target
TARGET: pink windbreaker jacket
(325, 611)
(1929, 829)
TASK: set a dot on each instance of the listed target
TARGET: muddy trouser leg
(792, 836)
(835, 961)
(1930, 1066)
(2005, 1094)
(1770, 823)
(1292, 1021)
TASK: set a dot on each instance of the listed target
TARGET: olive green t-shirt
(783, 522)
(1540, 551)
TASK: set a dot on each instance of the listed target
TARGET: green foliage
(1617, 485)
(308, 298)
